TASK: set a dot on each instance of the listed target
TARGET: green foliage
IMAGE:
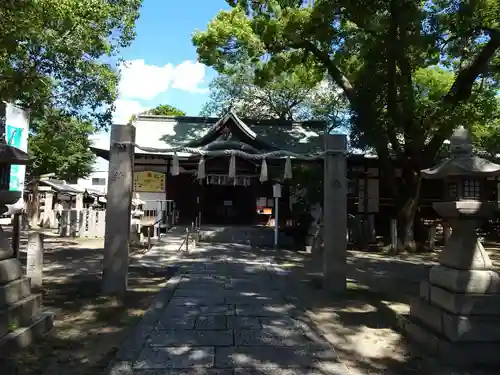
(379, 53)
(60, 144)
(165, 110)
(300, 95)
(62, 54)
(487, 135)
(160, 110)
(411, 71)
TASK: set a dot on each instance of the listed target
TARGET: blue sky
(161, 62)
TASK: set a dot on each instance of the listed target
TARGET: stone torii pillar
(335, 215)
(118, 210)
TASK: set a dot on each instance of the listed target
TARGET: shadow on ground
(236, 307)
(258, 312)
(88, 327)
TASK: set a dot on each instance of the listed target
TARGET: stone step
(19, 314)
(255, 237)
(10, 269)
(14, 291)
(24, 336)
(448, 352)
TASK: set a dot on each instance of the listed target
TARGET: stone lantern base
(457, 316)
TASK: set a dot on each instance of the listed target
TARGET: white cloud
(100, 139)
(125, 108)
(188, 76)
(142, 81)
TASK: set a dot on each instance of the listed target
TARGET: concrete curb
(130, 349)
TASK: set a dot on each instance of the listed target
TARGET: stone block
(10, 269)
(269, 356)
(465, 281)
(453, 353)
(20, 313)
(331, 369)
(6, 250)
(206, 300)
(215, 322)
(14, 291)
(270, 337)
(473, 353)
(458, 328)
(421, 335)
(238, 322)
(284, 323)
(175, 357)
(254, 298)
(265, 310)
(24, 336)
(466, 304)
(429, 315)
(176, 322)
(455, 327)
(195, 311)
(425, 290)
(182, 337)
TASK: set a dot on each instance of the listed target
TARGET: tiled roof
(168, 132)
(61, 186)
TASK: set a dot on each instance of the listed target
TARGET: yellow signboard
(149, 182)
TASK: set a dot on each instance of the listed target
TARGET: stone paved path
(229, 312)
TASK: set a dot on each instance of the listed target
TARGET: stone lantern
(22, 307)
(9, 156)
(457, 315)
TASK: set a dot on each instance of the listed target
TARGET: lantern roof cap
(462, 162)
(10, 155)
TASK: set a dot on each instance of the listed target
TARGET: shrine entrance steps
(255, 236)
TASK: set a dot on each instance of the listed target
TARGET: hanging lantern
(201, 169)
(174, 171)
(263, 171)
(232, 167)
(288, 169)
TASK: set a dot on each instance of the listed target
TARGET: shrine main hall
(217, 198)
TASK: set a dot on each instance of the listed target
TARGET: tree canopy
(63, 53)
(303, 94)
(165, 110)
(60, 144)
(411, 71)
(160, 110)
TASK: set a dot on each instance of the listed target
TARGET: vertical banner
(16, 134)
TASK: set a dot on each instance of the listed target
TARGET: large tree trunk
(407, 206)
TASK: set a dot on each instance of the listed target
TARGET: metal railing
(192, 235)
(159, 214)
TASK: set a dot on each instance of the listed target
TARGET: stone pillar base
(457, 316)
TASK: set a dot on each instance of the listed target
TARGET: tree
(60, 144)
(62, 54)
(410, 71)
(165, 110)
(303, 94)
(160, 110)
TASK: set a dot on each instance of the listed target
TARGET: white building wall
(97, 180)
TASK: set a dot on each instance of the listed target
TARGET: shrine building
(217, 198)
(245, 200)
